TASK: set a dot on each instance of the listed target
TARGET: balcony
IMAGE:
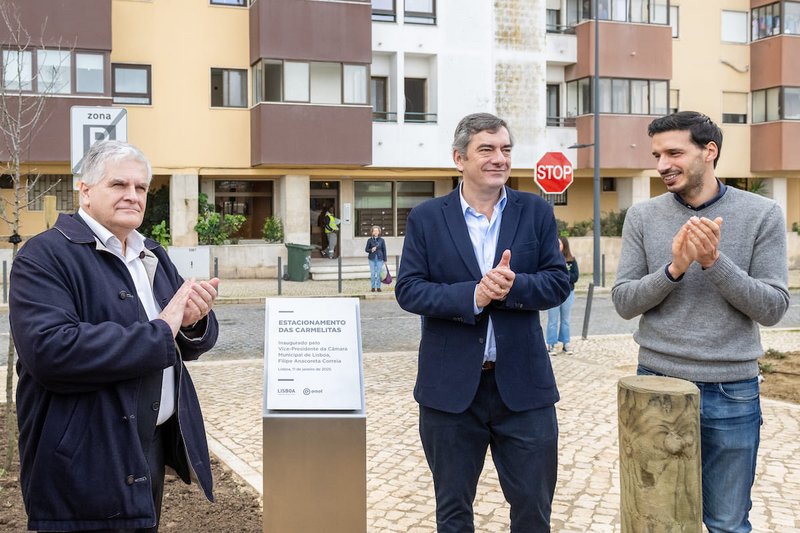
(311, 31)
(626, 51)
(773, 147)
(774, 62)
(624, 142)
(308, 134)
(79, 24)
(561, 49)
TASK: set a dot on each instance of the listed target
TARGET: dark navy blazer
(437, 278)
(90, 369)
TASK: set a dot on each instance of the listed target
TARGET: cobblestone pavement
(400, 493)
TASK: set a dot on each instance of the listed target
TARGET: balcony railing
(561, 122)
(384, 116)
(413, 116)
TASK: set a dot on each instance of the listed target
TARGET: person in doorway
(558, 317)
(322, 218)
(702, 289)
(479, 264)
(331, 228)
(102, 322)
(376, 248)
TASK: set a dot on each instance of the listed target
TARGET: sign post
(315, 426)
(554, 173)
(89, 125)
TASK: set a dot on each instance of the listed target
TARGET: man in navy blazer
(478, 265)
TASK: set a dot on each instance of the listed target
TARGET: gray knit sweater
(704, 327)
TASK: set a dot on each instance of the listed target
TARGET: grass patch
(771, 353)
(766, 368)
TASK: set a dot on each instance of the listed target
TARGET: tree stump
(659, 449)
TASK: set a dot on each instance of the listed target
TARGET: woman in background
(376, 248)
(558, 317)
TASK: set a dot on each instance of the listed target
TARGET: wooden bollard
(659, 449)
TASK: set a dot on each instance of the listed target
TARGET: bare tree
(24, 96)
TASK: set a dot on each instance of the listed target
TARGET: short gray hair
(476, 123)
(101, 153)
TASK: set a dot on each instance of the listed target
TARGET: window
(420, 11)
(383, 11)
(555, 199)
(54, 71)
(609, 184)
(641, 11)
(296, 82)
(131, 84)
(228, 87)
(387, 204)
(240, 3)
(415, 90)
(326, 83)
(766, 21)
(791, 21)
(674, 15)
(767, 104)
(17, 70)
(89, 73)
(58, 185)
(378, 96)
(315, 82)
(553, 16)
(553, 111)
(253, 199)
(674, 100)
(734, 108)
(734, 27)
(619, 95)
(355, 84)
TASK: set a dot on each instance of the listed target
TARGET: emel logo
(553, 173)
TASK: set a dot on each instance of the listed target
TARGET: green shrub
(581, 229)
(157, 211)
(273, 229)
(611, 223)
(160, 234)
(213, 229)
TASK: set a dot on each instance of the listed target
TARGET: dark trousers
(155, 460)
(524, 448)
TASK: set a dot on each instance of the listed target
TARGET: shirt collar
(500, 205)
(722, 189)
(134, 242)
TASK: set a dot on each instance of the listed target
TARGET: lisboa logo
(306, 391)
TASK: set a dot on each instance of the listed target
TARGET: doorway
(322, 194)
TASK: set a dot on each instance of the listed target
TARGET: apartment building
(730, 59)
(283, 107)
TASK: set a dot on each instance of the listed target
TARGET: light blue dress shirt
(483, 233)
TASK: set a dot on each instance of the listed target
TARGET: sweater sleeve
(762, 292)
(636, 290)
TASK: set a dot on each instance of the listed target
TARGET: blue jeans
(558, 321)
(524, 448)
(730, 426)
(375, 272)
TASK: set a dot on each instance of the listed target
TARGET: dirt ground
(781, 371)
(185, 509)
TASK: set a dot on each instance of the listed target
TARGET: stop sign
(553, 173)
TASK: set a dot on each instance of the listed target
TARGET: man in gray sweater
(702, 287)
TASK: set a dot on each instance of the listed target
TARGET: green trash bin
(299, 261)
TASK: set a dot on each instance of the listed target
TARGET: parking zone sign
(89, 125)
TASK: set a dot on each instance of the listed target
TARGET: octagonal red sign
(553, 173)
